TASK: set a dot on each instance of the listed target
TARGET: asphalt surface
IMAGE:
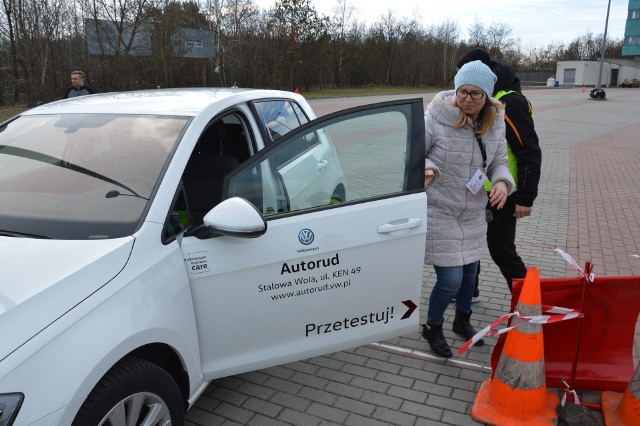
(588, 205)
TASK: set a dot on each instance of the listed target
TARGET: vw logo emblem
(306, 236)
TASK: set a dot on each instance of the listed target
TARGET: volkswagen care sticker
(197, 262)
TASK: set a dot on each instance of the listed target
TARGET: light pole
(598, 92)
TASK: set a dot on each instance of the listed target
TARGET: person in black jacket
(78, 86)
(525, 158)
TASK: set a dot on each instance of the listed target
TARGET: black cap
(476, 54)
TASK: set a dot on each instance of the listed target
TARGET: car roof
(186, 102)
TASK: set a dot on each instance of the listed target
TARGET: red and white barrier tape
(590, 277)
(561, 314)
(566, 391)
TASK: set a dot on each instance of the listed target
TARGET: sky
(537, 23)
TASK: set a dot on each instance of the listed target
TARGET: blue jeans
(458, 281)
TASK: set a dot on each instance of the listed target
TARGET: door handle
(400, 225)
(322, 165)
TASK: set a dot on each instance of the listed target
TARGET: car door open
(330, 272)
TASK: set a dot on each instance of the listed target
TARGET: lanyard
(482, 150)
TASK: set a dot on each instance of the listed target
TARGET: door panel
(303, 176)
(324, 277)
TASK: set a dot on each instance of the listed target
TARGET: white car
(153, 241)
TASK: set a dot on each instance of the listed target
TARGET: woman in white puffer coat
(465, 145)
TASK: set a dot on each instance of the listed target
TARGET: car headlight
(9, 406)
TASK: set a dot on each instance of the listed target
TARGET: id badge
(476, 183)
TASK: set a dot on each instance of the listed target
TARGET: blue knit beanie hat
(477, 74)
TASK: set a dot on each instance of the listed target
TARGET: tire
(338, 196)
(134, 391)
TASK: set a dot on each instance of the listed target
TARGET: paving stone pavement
(588, 205)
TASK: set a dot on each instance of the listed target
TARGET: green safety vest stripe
(512, 161)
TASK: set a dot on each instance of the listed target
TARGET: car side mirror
(236, 217)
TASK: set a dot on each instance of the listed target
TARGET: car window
(344, 159)
(302, 117)
(280, 117)
(82, 176)
(221, 147)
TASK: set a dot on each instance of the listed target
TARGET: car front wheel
(133, 392)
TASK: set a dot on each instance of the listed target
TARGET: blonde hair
(487, 115)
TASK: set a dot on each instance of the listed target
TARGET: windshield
(81, 176)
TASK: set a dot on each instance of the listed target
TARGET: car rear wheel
(338, 196)
(133, 392)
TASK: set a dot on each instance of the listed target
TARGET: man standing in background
(78, 86)
(525, 157)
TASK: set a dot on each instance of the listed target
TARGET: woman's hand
(498, 194)
(428, 177)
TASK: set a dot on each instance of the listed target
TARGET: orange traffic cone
(517, 393)
(296, 91)
(623, 409)
(583, 89)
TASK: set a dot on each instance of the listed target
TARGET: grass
(367, 91)
(8, 112)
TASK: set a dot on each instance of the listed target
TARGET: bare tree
(8, 10)
(386, 35)
(301, 25)
(291, 45)
(338, 27)
(495, 38)
(499, 40)
(236, 25)
(478, 34)
(35, 25)
(447, 37)
(122, 30)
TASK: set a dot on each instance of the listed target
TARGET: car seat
(205, 172)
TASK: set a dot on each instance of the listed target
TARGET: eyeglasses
(476, 95)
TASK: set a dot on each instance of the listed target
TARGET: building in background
(631, 46)
(585, 73)
(615, 72)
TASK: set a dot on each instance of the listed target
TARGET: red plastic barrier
(597, 349)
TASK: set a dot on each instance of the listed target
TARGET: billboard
(192, 43)
(106, 38)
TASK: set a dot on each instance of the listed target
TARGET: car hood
(41, 280)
